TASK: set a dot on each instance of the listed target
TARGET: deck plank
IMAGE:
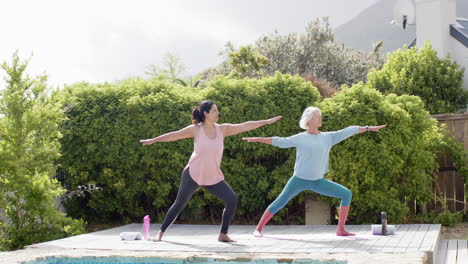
(442, 252)
(323, 244)
(406, 238)
(431, 235)
(290, 240)
(393, 240)
(347, 245)
(377, 240)
(417, 239)
(309, 244)
(451, 252)
(462, 252)
(389, 241)
(363, 234)
(335, 244)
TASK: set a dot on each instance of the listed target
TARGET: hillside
(373, 25)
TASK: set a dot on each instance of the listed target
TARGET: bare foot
(225, 238)
(257, 233)
(158, 237)
(344, 233)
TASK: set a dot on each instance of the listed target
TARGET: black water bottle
(383, 218)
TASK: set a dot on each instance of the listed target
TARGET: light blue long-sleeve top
(313, 151)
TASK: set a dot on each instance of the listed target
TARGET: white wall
(433, 18)
(460, 55)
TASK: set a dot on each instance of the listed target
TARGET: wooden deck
(292, 240)
(452, 252)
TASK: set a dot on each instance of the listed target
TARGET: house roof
(459, 31)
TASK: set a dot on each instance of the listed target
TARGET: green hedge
(258, 172)
(418, 71)
(384, 169)
(106, 121)
(100, 145)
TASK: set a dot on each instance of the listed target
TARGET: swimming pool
(147, 260)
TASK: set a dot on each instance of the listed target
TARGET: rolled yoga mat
(130, 236)
(377, 229)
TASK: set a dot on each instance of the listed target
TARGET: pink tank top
(204, 164)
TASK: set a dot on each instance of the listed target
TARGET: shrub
(29, 147)
(448, 219)
(100, 145)
(105, 122)
(258, 172)
(420, 72)
(383, 169)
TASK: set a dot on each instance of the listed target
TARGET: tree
(224, 68)
(29, 147)
(418, 71)
(172, 70)
(316, 52)
(313, 53)
(247, 63)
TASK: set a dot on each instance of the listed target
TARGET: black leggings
(188, 186)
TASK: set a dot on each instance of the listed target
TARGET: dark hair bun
(198, 113)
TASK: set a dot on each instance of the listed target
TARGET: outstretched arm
(371, 128)
(234, 129)
(340, 135)
(281, 142)
(186, 132)
(267, 140)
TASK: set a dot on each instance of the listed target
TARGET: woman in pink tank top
(203, 169)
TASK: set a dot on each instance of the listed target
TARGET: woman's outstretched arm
(371, 128)
(186, 132)
(234, 129)
(267, 140)
(340, 135)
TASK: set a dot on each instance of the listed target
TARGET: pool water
(134, 260)
(104, 260)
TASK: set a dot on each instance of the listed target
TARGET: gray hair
(307, 115)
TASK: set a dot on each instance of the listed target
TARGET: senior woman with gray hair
(312, 155)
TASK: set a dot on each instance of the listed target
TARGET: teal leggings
(323, 186)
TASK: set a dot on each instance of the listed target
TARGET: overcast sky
(108, 40)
